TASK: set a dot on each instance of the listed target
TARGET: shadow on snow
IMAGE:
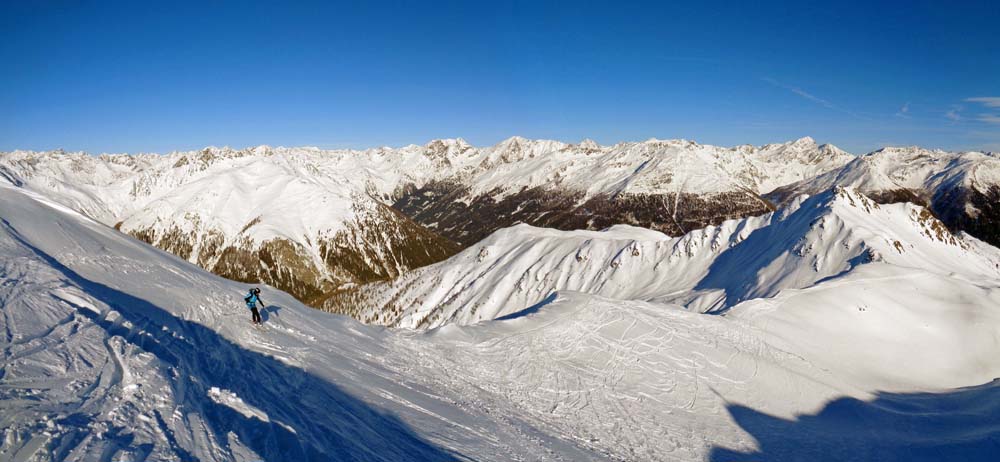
(342, 428)
(265, 313)
(961, 425)
(529, 310)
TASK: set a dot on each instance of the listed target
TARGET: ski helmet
(255, 291)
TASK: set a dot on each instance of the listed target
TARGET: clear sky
(161, 76)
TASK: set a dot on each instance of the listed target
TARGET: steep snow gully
(116, 351)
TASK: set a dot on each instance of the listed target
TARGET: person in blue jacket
(252, 298)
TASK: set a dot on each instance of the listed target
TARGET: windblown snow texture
(114, 350)
(834, 328)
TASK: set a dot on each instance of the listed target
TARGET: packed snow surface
(862, 332)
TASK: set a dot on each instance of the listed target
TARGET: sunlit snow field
(115, 350)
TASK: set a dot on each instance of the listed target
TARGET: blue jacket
(251, 300)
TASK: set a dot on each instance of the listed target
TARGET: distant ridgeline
(319, 223)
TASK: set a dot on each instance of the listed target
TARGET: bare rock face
(378, 244)
(960, 189)
(279, 263)
(712, 269)
(671, 186)
(973, 210)
(317, 223)
(441, 206)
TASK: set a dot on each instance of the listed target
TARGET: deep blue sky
(160, 76)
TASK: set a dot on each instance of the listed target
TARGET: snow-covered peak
(833, 151)
(913, 170)
(512, 140)
(116, 351)
(711, 269)
(874, 226)
(114, 188)
(512, 146)
(448, 142)
(805, 141)
(589, 145)
(847, 196)
(262, 150)
(546, 162)
(445, 153)
(198, 190)
(677, 142)
(906, 151)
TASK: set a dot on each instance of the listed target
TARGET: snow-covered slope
(962, 188)
(112, 186)
(668, 185)
(711, 269)
(308, 236)
(114, 350)
(314, 221)
(649, 167)
(653, 380)
(252, 215)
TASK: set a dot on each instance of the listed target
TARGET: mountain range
(320, 224)
(833, 328)
(710, 270)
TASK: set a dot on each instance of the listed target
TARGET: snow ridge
(114, 350)
(314, 222)
(963, 189)
(708, 270)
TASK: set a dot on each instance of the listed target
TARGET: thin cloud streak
(809, 96)
(988, 101)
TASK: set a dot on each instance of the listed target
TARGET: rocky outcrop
(709, 270)
(318, 222)
(378, 245)
(442, 207)
(960, 189)
(972, 210)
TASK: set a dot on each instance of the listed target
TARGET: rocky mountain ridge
(314, 222)
(809, 241)
(961, 188)
(320, 222)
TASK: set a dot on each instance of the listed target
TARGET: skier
(252, 298)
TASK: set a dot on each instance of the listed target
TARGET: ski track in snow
(607, 376)
(116, 351)
(146, 375)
